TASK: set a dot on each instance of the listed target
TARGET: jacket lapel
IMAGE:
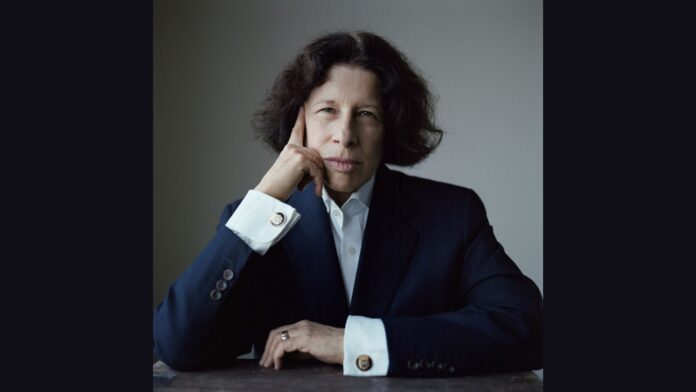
(388, 242)
(312, 253)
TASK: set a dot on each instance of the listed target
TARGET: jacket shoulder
(420, 187)
(441, 201)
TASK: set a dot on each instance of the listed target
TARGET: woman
(384, 273)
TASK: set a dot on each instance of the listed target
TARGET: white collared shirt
(250, 222)
(348, 226)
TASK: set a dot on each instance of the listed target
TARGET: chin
(340, 186)
(339, 183)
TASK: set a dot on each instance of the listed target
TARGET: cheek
(373, 144)
(314, 136)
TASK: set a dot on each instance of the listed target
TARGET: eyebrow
(332, 102)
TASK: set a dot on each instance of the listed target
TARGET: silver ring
(284, 335)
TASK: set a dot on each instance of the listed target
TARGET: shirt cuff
(365, 350)
(261, 220)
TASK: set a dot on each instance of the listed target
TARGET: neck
(338, 197)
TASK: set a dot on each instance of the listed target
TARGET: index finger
(297, 134)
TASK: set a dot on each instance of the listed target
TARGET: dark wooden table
(246, 375)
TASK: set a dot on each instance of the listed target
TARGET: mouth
(341, 165)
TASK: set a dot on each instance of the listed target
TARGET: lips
(341, 165)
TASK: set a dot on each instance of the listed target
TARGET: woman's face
(343, 118)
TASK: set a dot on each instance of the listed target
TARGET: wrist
(270, 191)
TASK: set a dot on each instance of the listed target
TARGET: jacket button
(364, 362)
(215, 295)
(228, 274)
(277, 219)
(413, 364)
(221, 285)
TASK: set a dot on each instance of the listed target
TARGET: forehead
(348, 85)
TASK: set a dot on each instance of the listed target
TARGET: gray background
(215, 60)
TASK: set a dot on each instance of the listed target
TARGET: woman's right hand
(295, 167)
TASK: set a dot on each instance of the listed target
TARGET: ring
(284, 335)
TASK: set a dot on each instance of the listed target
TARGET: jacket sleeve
(207, 317)
(495, 324)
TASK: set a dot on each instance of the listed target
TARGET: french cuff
(261, 220)
(365, 347)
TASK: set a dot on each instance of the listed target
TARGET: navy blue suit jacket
(451, 300)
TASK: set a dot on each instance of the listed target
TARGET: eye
(368, 115)
(364, 113)
(328, 110)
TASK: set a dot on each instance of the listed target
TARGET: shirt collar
(361, 197)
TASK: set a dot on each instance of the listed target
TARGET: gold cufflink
(364, 362)
(277, 219)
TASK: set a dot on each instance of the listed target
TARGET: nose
(344, 133)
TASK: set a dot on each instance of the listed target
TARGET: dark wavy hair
(410, 134)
